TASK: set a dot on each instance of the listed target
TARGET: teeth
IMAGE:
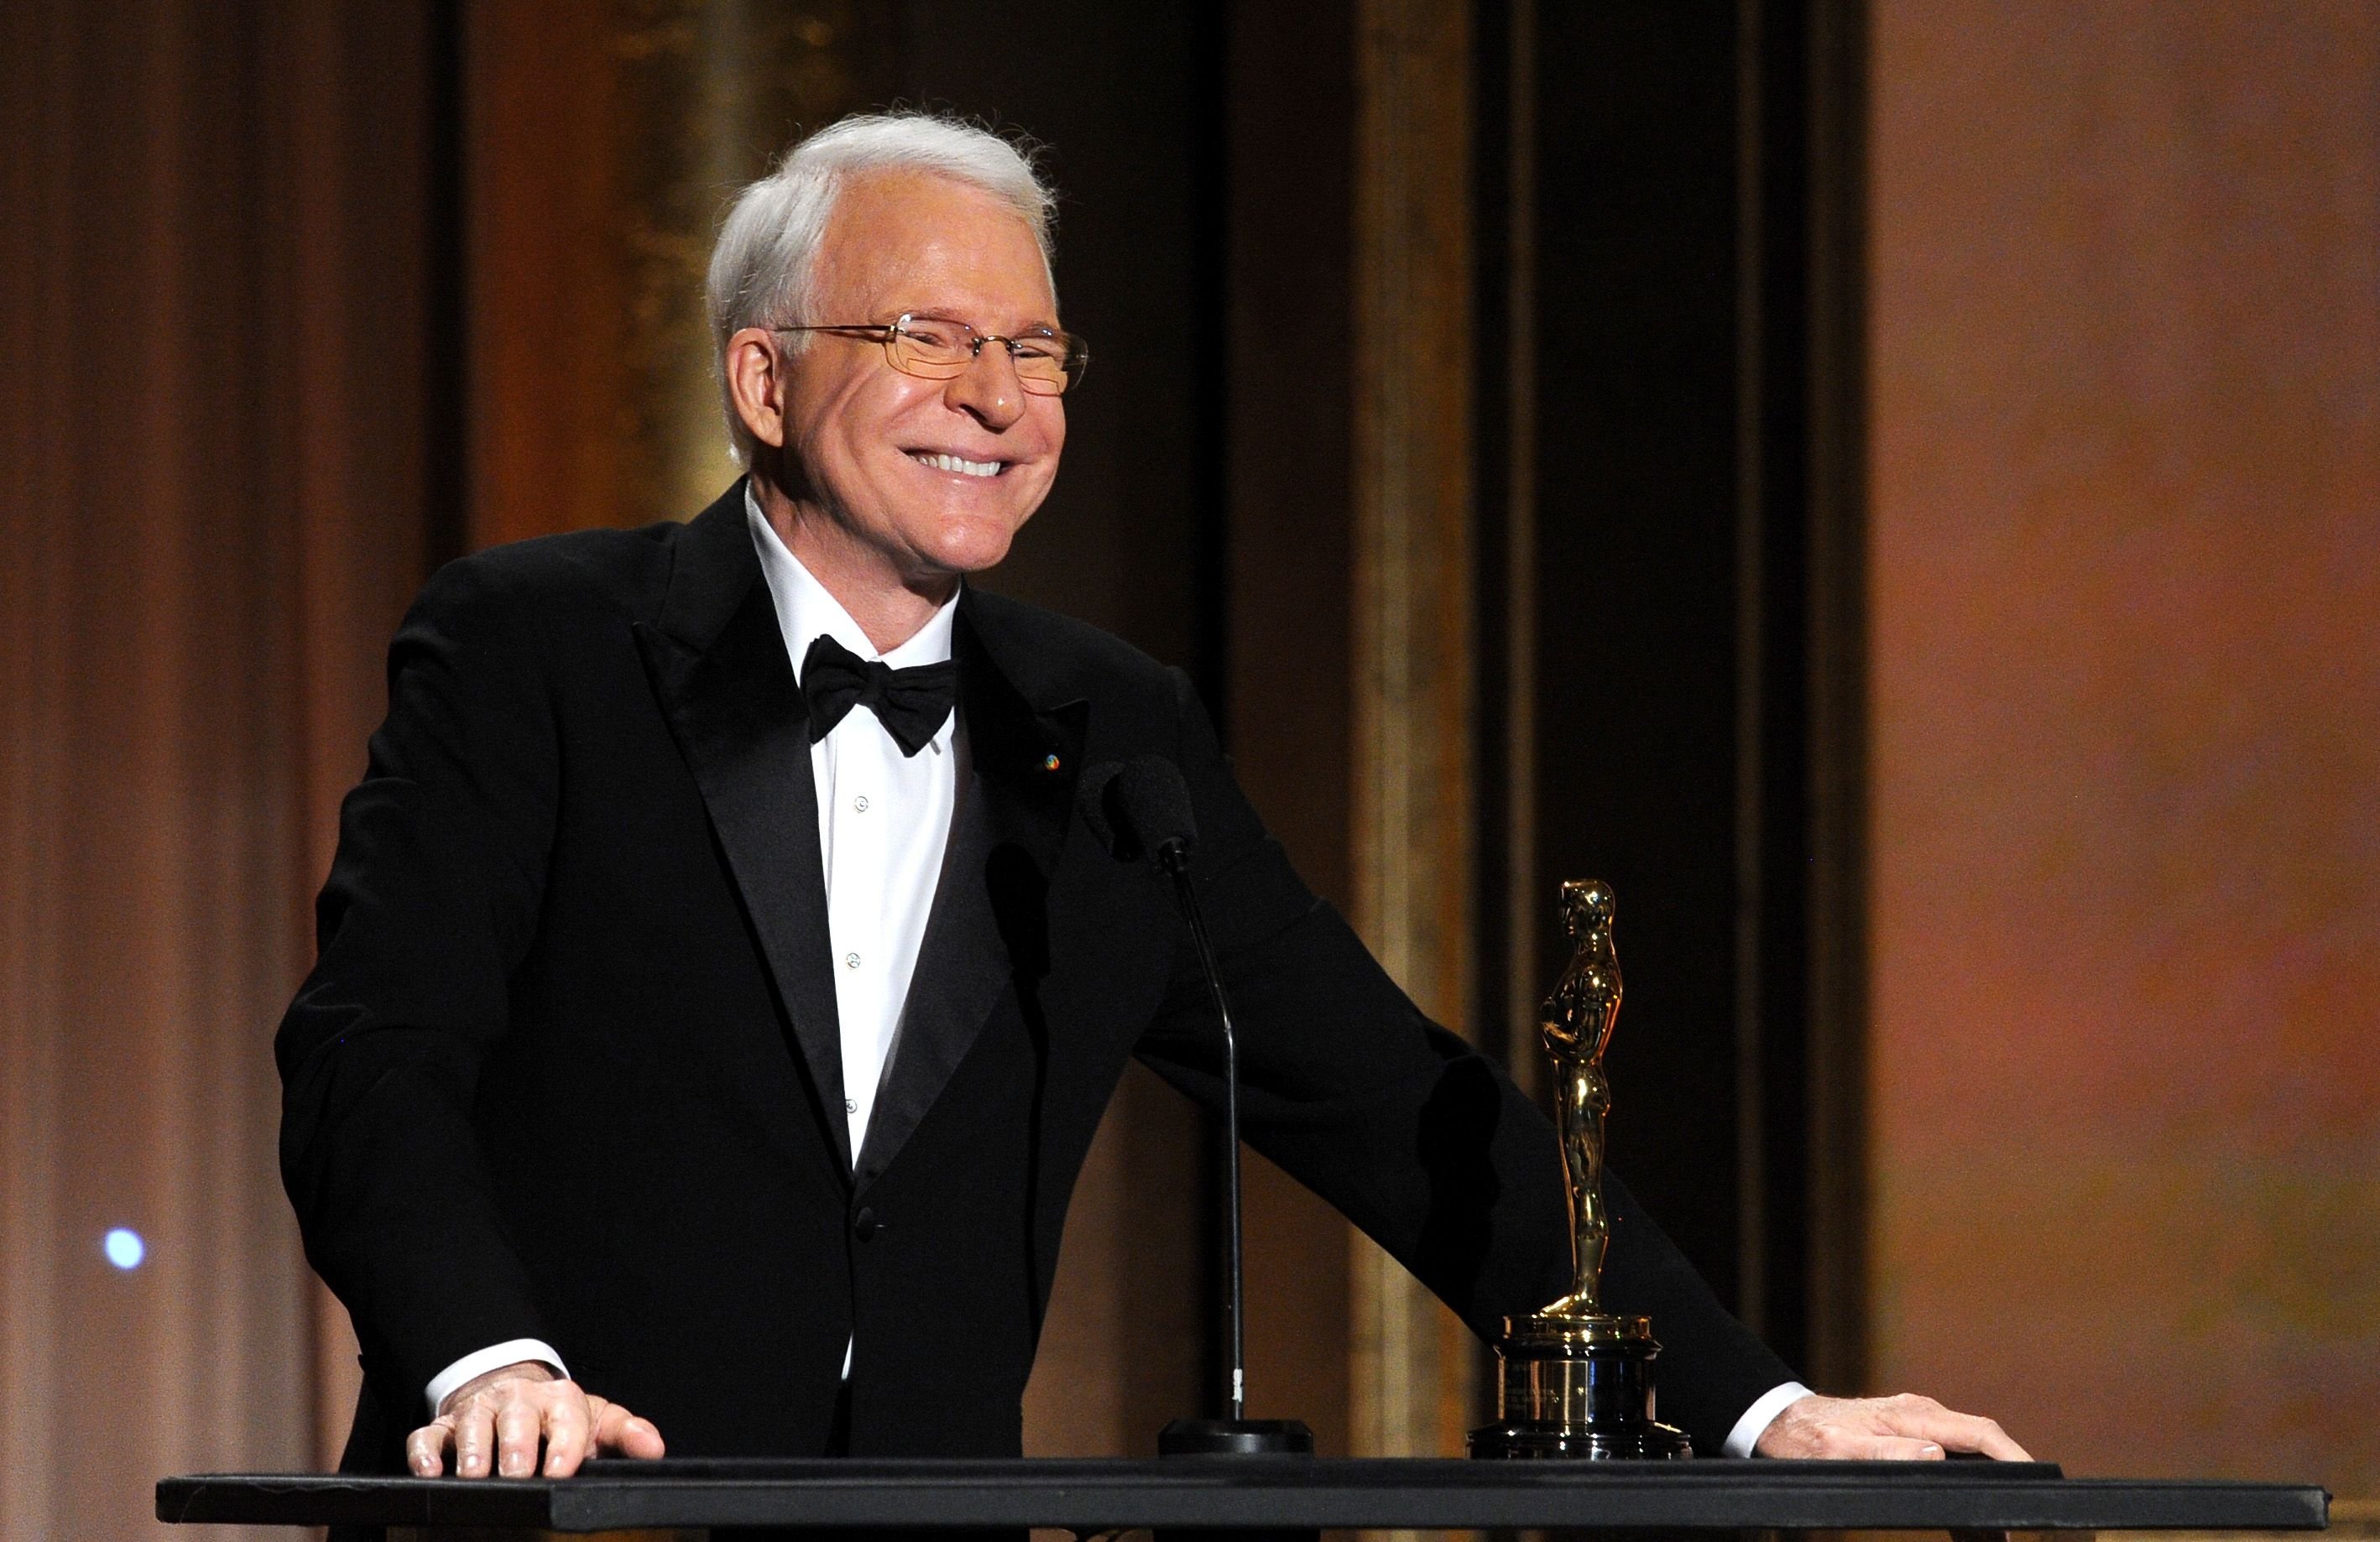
(952, 463)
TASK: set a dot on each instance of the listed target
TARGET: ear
(756, 381)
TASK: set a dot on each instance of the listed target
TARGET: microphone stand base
(1235, 1437)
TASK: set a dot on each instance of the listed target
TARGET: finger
(619, 1432)
(519, 1420)
(1990, 1439)
(425, 1449)
(474, 1426)
(569, 1431)
(1924, 1419)
(1890, 1448)
(1985, 1435)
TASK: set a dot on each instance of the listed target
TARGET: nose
(988, 388)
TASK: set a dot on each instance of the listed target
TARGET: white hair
(762, 266)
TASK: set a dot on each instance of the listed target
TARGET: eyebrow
(940, 313)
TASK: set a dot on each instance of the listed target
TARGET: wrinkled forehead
(910, 240)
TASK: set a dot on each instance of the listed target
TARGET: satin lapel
(989, 924)
(1027, 752)
(962, 966)
(727, 689)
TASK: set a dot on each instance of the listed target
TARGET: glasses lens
(1046, 362)
(926, 346)
(1042, 362)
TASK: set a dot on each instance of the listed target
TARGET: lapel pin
(1048, 762)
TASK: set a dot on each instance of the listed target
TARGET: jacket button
(866, 1224)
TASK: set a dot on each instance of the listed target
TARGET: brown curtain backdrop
(1410, 834)
(2126, 591)
(215, 433)
(601, 141)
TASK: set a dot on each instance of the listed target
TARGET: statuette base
(1577, 1387)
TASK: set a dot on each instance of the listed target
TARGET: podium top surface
(1277, 1492)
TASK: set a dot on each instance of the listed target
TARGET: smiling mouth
(960, 464)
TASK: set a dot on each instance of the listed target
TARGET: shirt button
(860, 804)
(850, 1106)
(851, 961)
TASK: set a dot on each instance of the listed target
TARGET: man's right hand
(1903, 1428)
(496, 1422)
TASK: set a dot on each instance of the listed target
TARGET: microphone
(1140, 809)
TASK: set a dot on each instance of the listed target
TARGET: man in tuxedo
(718, 989)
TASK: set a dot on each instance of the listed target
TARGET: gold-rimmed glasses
(1048, 362)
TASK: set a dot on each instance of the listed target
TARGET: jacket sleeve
(431, 904)
(1421, 1142)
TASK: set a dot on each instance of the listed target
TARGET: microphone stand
(1237, 1435)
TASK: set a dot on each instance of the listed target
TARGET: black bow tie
(910, 703)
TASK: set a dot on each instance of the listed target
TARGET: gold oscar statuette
(1575, 1381)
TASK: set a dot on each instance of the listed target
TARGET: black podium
(1286, 1493)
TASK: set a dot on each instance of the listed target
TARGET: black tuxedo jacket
(567, 1066)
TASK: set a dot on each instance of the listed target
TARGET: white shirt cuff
(512, 1352)
(1760, 1415)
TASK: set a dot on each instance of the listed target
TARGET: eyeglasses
(1049, 363)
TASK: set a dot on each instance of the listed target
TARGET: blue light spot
(124, 1247)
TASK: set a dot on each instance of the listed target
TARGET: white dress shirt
(1756, 1420)
(885, 828)
(884, 824)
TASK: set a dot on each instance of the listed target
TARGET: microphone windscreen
(1091, 799)
(1154, 801)
(1136, 807)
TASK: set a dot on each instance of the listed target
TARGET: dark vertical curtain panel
(218, 299)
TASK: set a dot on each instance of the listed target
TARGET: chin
(971, 550)
(973, 541)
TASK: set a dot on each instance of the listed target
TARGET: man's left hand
(1903, 1428)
